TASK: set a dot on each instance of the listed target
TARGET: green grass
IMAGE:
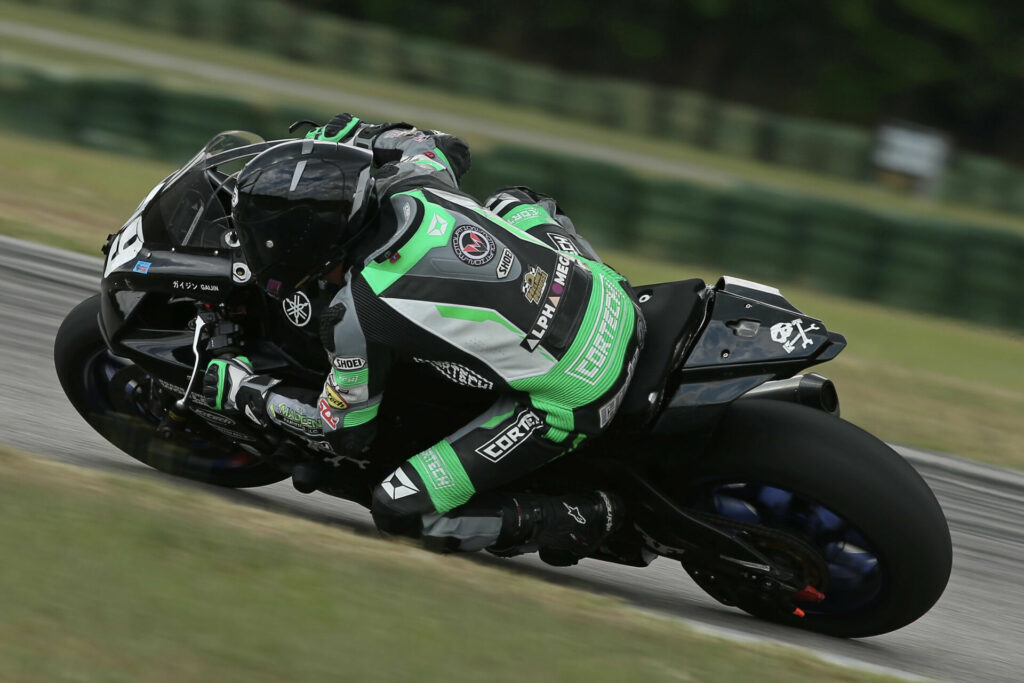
(69, 196)
(110, 578)
(907, 377)
(780, 178)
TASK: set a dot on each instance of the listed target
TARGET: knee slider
(399, 503)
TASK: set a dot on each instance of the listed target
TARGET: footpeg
(170, 423)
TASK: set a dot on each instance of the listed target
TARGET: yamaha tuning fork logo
(297, 309)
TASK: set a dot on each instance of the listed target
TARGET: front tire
(877, 526)
(101, 387)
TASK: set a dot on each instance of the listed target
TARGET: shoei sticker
(505, 263)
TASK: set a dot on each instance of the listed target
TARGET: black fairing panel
(670, 310)
(750, 336)
(744, 330)
(146, 316)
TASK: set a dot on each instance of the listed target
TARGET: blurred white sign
(911, 150)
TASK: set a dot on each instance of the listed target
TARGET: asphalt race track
(975, 633)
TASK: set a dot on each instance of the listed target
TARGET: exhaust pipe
(811, 390)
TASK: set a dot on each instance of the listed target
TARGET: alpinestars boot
(564, 529)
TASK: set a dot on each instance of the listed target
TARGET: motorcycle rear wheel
(100, 387)
(877, 526)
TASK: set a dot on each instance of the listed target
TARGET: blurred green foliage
(918, 263)
(955, 65)
(525, 61)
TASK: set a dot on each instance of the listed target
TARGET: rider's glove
(338, 129)
(231, 384)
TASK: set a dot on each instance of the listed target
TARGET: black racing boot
(564, 529)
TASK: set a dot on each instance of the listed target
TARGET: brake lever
(178, 411)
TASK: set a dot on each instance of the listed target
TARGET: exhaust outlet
(811, 390)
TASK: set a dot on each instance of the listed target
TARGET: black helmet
(298, 208)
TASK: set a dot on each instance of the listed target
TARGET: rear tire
(832, 468)
(85, 366)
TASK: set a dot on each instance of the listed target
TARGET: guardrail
(294, 32)
(962, 271)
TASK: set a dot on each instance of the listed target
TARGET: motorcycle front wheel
(109, 392)
(867, 531)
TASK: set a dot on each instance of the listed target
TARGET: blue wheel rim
(856, 575)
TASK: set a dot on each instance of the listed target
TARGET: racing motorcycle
(731, 459)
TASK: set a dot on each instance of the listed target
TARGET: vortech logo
(458, 373)
(472, 245)
(509, 438)
(432, 462)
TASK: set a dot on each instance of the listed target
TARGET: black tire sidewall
(77, 341)
(857, 476)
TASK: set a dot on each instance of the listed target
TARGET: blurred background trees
(954, 65)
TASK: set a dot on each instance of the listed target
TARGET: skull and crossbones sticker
(791, 333)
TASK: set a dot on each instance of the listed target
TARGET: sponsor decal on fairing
(187, 286)
(298, 309)
(791, 333)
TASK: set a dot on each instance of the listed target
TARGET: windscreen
(192, 207)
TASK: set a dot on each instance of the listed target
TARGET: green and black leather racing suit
(503, 295)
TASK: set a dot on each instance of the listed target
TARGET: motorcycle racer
(503, 295)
